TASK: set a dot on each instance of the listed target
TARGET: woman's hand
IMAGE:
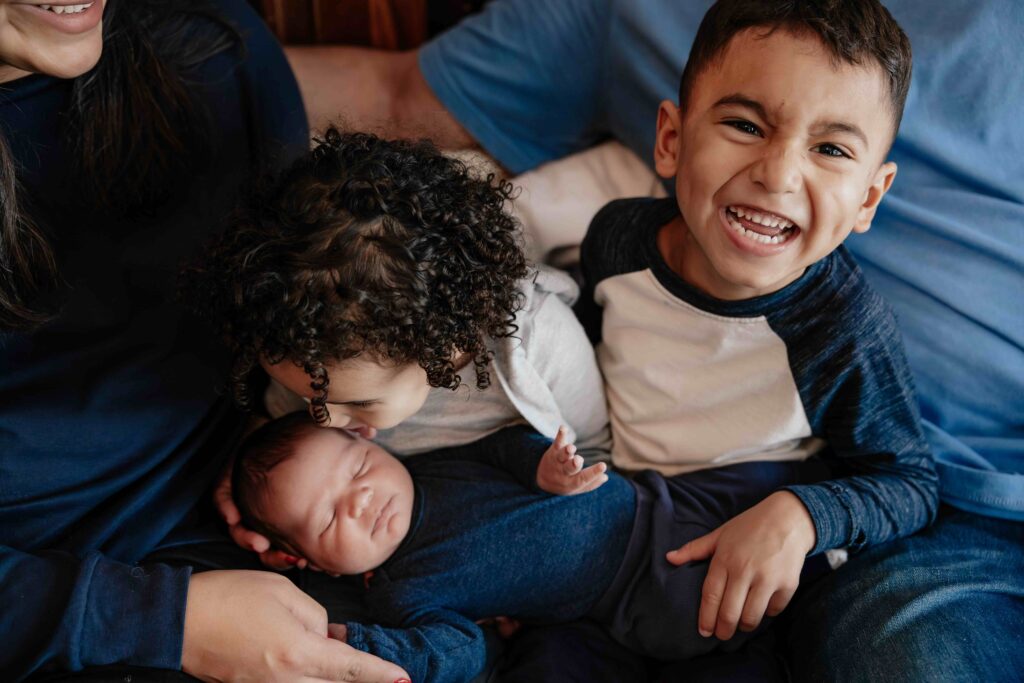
(246, 537)
(240, 534)
(254, 625)
(756, 558)
(561, 471)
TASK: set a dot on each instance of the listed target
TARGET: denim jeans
(944, 605)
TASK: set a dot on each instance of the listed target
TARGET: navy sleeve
(434, 645)
(278, 127)
(63, 613)
(862, 403)
(516, 450)
(591, 249)
(615, 244)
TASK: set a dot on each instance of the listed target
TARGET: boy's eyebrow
(743, 101)
(820, 128)
(828, 127)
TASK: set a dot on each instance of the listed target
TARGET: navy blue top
(844, 355)
(111, 424)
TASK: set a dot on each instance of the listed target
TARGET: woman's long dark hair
(133, 128)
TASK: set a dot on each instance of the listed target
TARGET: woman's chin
(79, 64)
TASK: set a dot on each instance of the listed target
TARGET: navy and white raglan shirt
(816, 368)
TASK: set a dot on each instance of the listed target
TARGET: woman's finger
(249, 539)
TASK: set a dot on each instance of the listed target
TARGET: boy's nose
(777, 171)
(359, 501)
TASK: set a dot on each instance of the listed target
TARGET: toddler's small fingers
(590, 478)
(593, 484)
(573, 466)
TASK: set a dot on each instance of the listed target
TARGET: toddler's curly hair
(364, 247)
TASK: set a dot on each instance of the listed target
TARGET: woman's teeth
(67, 9)
(785, 227)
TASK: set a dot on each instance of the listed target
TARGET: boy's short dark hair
(853, 31)
(259, 453)
(385, 249)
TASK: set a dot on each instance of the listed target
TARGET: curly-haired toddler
(382, 286)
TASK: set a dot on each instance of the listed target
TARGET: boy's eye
(744, 127)
(831, 150)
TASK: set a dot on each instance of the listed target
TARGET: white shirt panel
(688, 389)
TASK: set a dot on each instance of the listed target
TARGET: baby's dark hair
(259, 453)
(853, 31)
(364, 246)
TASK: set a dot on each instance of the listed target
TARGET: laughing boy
(732, 325)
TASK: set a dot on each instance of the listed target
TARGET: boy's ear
(872, 198)
(667, 139)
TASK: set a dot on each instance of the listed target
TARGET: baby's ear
(873, 196)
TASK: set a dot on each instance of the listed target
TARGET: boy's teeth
(766, 219)
(67, 9)
(756, 236)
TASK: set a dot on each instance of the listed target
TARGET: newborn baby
(467, 533)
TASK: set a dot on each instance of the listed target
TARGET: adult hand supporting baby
(756, 558)
(244, 536)
(254, 625)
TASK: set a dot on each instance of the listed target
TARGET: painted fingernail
(291, 559)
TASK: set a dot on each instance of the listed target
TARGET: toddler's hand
(756, 558)
(561, 470)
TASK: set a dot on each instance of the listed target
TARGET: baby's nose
(360, 501)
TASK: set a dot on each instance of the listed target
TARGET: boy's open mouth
(766, 228)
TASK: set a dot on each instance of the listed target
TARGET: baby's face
(344, 502)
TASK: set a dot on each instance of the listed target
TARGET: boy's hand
(756, 558)
(561, 470)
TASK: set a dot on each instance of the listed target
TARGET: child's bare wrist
(797, 519)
